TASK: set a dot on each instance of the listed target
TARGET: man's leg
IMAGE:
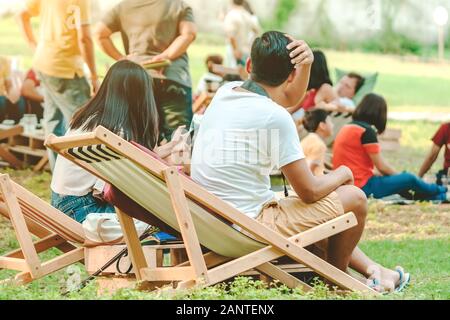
(341, 246)
(62, 97)
(353, 200)
(361, 263)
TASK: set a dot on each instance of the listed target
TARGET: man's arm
(24, 19)
(188, 33)
(29, 91)
(383, 167)
(310, 188)
(87, 51)
(303, 58)
(430, 160)
(103, 36)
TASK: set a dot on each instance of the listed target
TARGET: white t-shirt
(240, 25)
(70, 179)
(203, 85)
(242, 138)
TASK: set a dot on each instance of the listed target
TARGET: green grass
(427, 260)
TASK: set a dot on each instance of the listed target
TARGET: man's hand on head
(301, 53)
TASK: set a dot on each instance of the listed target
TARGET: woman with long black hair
(125, 105)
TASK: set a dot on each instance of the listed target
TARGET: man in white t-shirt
(239, 26)
(246, 132)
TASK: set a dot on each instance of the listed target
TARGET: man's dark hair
(372, 110)
(360, 80)
(271, 63)
(239, 2)
(314, 118)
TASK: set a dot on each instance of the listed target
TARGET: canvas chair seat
(152, 194)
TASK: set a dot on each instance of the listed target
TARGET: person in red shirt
(357, 147)
(33, 95)
(441, 139)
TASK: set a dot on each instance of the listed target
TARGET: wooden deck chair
(200, 217)
(29, 216)
(5, 154)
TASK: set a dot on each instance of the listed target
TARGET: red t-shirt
(352, 148)
(31, 75)
(309, 101)
(441, 139)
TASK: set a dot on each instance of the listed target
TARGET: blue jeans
(78, 208)
(12, 111)
(406, 185)
(62, 98)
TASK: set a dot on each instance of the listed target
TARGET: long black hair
(372, 110)
(124, 104)
(320, 73)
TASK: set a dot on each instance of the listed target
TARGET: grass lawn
(416, 237)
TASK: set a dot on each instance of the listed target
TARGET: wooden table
(29, 147)
(6, 133)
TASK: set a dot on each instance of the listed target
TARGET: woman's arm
(430, 160)
(383, 167)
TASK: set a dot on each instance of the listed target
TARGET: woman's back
(352, 147)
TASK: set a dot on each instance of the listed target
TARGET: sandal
(405, 279)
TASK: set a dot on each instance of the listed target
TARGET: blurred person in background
(210, 81)
(357, 147)
(33, 93)
(440, 140)
(322, 94)
(64, 45)
(12, 105)
(155, 31)
(241, 29)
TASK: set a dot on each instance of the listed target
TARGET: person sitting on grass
(125, 105)
(357, 147)
(210, 81)
(320, 127)
(247, 131)
(440, 139)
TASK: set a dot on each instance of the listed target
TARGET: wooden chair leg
(134, 245)
(187, 228)
(20, 227)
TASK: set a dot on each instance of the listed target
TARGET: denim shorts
(78, 208)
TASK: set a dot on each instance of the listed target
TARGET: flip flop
(375, 285)
(405, 279)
